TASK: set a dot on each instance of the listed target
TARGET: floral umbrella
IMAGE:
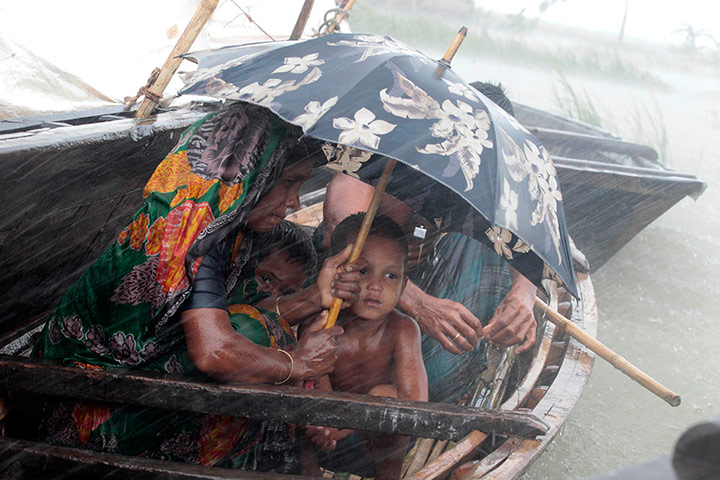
(370, 94)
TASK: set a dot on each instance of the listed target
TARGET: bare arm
(513, 321)
(216, 350)
(410, 376)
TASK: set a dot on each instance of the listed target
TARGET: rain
(645, 72)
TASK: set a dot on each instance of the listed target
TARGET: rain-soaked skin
(378, 354)
(218, 351)
(513, 322)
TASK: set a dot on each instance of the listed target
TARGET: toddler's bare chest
(362, 364)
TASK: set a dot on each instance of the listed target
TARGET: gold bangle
(292, 365)
(277, 306)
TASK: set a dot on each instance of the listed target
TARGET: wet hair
(382, 226)
(496, 93)
(290, 238)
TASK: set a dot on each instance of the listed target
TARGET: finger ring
(456, 336)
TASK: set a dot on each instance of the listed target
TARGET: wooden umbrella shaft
(606, 353)
(198, 21)
(454, 46)
(363, 233)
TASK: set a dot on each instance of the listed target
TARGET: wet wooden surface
(43, 461)
(288, 404)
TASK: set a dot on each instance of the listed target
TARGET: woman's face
(273, 206)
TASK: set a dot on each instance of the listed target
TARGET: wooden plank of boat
(562, 140)
(462, 450)
(477, 469)
(49, 461)
(533, 374)
(451, 458)
(287, 404)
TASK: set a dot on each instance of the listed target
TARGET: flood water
(658, 298)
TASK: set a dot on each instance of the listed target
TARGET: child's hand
(339, 279)
(314, 355)
(326, 438)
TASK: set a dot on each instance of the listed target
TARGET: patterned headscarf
(117, 313)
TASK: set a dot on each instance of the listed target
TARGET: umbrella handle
(197, 22)
(363, 233)
(606, 353)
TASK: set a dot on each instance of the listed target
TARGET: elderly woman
(158, 299)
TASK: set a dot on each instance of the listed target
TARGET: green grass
(648, 127)
(643, 124)
(576, 104)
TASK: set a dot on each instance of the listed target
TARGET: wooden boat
(56, 168)
(611, 189)
(461, 441)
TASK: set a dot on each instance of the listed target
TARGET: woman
(159, 296)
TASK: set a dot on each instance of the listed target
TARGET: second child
(378, 354)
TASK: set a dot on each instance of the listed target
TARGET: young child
(286, 259)
(282, 260)
(378, 354)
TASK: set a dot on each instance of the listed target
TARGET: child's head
(286, 258)
(385, 251)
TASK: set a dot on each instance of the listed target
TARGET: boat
(71, 183)
(537, 393)
(102, 158)
(612, 190)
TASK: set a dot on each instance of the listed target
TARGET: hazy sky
(653, 19)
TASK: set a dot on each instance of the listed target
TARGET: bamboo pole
(606, 353)
(341, 15)
(302, 20)
(454, 46)
(198, 21)
(382, 183)
(363, 233)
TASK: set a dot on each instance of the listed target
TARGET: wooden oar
(615, 359)
(154, 93)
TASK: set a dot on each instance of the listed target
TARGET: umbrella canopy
(378, 96)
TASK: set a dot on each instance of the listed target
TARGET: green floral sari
(121, 312)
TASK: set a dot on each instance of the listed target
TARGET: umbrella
(371, 97)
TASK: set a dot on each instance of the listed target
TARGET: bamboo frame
(341, 15)
(302, 20)
(197, 22)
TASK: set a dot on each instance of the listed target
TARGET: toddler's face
(383, 279)
(278, 275)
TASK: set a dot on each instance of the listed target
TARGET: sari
(121, 313)
(466, 271)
